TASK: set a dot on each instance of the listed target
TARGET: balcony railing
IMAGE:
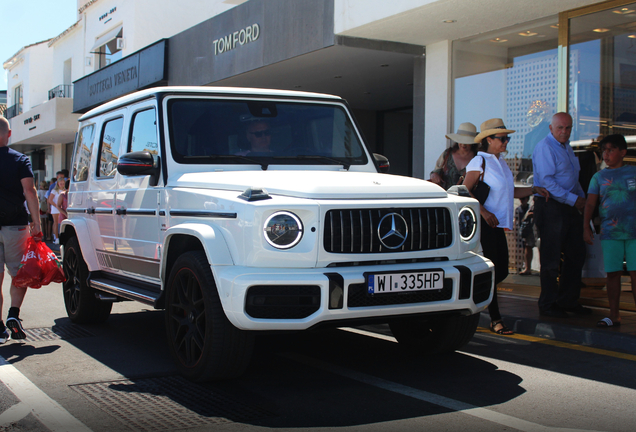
(61, 91)
(3, 110)
(14, 110)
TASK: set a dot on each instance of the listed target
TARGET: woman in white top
(497, 213)
(55, 211)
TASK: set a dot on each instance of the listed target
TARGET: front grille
(356, 231)
(481, 287)
(282, 301)
(358, 296)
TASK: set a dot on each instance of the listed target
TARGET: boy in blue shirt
(616, 187)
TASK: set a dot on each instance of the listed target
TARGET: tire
(202, 341)
(435, 336)
(82, 306)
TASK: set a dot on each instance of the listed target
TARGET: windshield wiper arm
(254, 161)
(317, 157)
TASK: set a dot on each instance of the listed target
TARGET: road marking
(452, 404)
(567, 345)
(45, 409)
(14, 414)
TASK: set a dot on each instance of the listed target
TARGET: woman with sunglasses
(497, 212)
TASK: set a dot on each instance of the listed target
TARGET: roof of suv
(228, 91)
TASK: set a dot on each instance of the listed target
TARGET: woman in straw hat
(497, 212)
(450, 168)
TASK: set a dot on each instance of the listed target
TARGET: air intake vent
(358, 231)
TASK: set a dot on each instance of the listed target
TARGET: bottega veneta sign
(116, 79)
(239, 37)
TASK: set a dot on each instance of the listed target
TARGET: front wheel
(203, 342)
(435, 335)
(82, 306)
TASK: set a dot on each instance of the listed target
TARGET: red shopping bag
(30, 270)
(51, 265)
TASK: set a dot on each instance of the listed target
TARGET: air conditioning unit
(121, 43)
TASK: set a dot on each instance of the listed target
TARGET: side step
(141, 292)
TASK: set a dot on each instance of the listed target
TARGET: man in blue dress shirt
(560, 221)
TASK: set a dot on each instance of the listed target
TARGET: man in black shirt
(16, 185)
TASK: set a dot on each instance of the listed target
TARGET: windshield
(213, 131)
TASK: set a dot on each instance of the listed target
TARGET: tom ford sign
(136, 71)
(239, 37)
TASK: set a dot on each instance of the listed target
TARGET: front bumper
(297, 299)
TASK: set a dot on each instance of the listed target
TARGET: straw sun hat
(466, 133)
(492, 127)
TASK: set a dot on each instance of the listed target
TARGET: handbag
(481, 189)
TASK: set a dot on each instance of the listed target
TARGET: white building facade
(411, 70)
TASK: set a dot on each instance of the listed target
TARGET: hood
(316, 184)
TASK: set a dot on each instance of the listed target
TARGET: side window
(109, 148)
(83, 151)
(143, 135)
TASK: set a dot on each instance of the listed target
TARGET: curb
(598, 338)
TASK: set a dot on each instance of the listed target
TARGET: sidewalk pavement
(518, 297)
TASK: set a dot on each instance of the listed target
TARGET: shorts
(617, 251)
(12, 247)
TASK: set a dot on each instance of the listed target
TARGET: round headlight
(467, 223)
(283, 230)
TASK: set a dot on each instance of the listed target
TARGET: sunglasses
(503, 139)
(260, 134)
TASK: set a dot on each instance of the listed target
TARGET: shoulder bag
(481, 189)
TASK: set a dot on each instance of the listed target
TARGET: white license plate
(386, 283)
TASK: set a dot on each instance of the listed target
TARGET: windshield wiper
(239, 157)
(317, 157)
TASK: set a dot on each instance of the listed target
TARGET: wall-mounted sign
(240, 37)
(105, 17)
(136, 71)
(32, 119)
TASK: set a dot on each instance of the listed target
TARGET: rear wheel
(203, 342)
(435, 335)
(82, 306)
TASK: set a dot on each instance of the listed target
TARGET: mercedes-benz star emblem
(393, 231)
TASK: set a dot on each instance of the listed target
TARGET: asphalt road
(118, 376)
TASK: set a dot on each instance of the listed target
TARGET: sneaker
(4, 336)
(17, 332)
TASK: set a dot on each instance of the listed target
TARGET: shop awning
(106, 38)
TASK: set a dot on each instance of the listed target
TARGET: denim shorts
(617, 251)
(12, 246)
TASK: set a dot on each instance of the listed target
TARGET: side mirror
(140, 163)
(381, 163)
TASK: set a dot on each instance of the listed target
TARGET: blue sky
(24, 22)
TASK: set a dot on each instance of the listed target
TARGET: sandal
(607, 322)
(503, 330)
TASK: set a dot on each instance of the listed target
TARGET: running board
(124, 290)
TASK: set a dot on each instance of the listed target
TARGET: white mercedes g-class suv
(242, 210)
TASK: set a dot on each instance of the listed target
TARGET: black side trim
(102, 211)
(141, 212)
(76, 210)
(203, 213)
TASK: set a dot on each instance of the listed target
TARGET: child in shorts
(616, 187)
